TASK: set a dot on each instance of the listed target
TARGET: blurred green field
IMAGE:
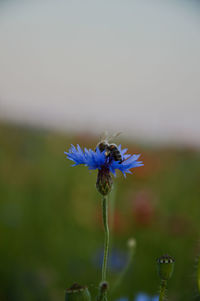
(50, 218)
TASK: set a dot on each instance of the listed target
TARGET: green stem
(163, 288)
(106, 240)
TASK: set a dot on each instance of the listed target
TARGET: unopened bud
(103, 288)
(77, 293)
(104, 181)
(165, 265)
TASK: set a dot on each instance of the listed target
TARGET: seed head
(165, 265)
(77, 293)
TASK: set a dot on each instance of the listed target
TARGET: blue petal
(124, 151)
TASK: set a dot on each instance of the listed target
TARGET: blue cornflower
(98, 160)
(105, 163)
(145, 297)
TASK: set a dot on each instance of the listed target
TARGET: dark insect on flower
(111, 150)
(102, 146)
(115, 153)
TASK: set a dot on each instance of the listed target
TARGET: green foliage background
(50, 217)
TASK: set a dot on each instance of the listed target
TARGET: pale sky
(129, 66)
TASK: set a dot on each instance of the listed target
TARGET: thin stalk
(163, 288)
(106, 239)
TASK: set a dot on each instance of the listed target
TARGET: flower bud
(103, 288)
(77, 293)
(104, 181)
(165, 265)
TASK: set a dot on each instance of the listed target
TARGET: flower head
(100, 160)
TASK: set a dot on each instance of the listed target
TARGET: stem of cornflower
(163, 288)
(103, 286)
(106, 239)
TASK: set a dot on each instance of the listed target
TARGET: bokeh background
(69, 70)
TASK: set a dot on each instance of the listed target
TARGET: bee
(115, 153)
(111, 150)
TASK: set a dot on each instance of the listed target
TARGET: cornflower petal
(124, 151)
